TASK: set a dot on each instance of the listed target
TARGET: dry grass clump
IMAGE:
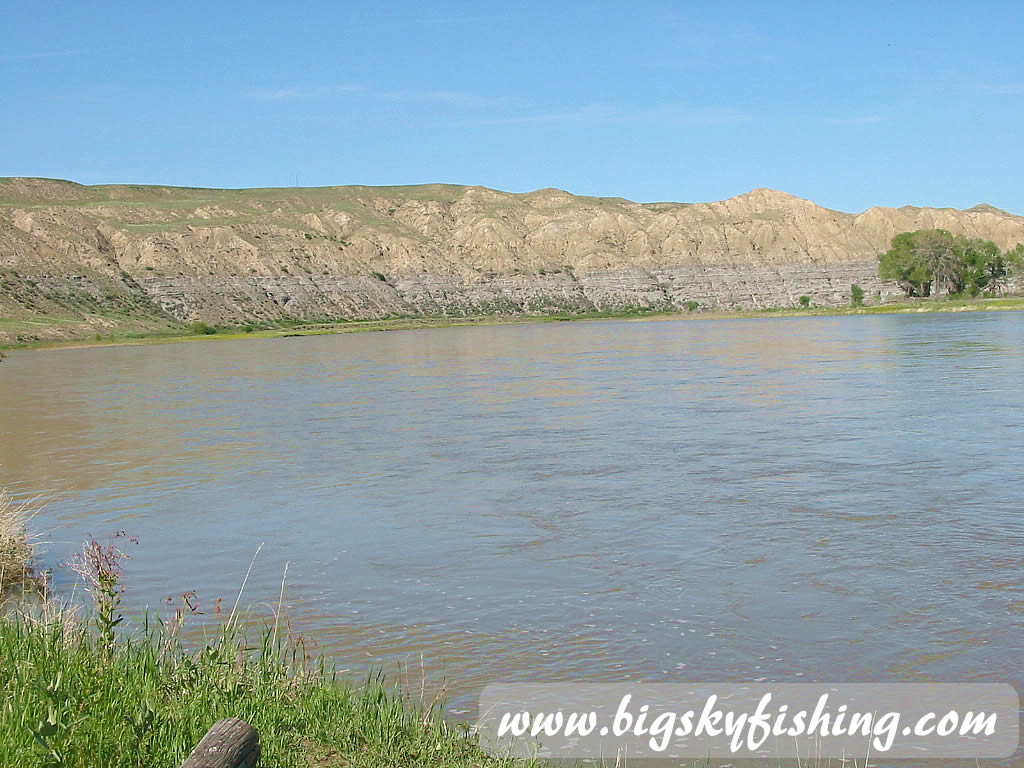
(17, 548)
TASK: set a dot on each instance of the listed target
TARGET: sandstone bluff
(77, 259)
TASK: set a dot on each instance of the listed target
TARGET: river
(788, 499)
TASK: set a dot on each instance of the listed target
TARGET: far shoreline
(920, 306)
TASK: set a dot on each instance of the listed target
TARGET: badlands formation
(77, 259)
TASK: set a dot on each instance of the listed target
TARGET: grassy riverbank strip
(69, 699)
(128, 337)
(80, 689)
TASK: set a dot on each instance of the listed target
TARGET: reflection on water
(780, 499)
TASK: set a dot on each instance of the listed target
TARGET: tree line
(932, 260)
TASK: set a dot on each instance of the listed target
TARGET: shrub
(805, 301)
(201, 329)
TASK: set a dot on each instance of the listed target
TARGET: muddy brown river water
(791, 499)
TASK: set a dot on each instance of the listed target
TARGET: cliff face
(96, 256)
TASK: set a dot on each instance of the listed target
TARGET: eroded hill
(77, 259)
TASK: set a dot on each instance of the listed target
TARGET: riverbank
(74, 700)
(182, 335)
(941, 304)
(83, 689)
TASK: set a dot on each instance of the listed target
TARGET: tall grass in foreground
(69, 699)
(79, 688)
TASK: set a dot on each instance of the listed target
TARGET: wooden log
(230, 743)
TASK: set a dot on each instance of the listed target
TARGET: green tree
(805, 301)
(903, 264)
(934, 259)
(945, 256)
(927, 260)
(856, 296)
(1014, 260)
(984, 266)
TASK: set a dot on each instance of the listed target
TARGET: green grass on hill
(175, 198)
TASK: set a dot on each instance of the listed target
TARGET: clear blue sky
(848, 104)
